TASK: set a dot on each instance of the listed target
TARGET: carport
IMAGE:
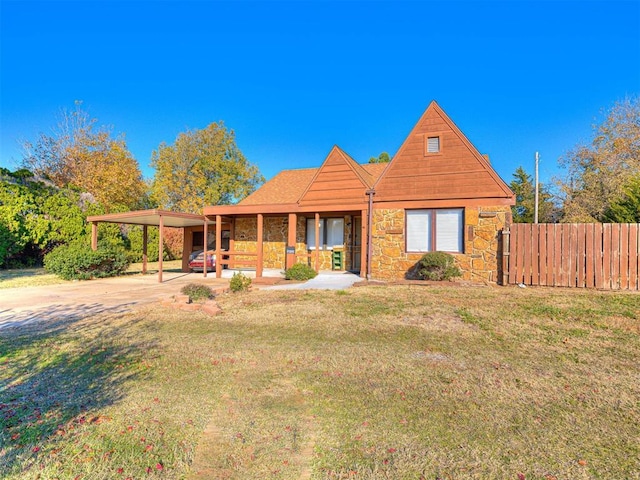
(146, 218)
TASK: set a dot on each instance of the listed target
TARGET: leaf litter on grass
(438, 382)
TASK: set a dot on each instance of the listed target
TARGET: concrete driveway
(79, 299)
(117, 295)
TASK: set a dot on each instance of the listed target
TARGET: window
(435, 230)
(433, 144)
(331, 233)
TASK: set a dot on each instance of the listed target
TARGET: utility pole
(535, 212)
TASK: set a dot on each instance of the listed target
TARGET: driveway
(79, 299)
(117, 295)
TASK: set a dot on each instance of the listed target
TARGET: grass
(402, 382)
(38, 277)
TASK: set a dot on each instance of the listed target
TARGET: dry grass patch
(374, 382)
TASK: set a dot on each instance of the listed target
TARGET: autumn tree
(524, 209)
(83, 155)
(600, 171)
(203, 167)
(382, 158)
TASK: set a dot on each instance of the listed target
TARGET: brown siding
(457, 171)
(335, 183)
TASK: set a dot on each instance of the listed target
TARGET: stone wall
(275, 238)
(478, 263)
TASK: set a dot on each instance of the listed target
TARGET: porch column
(317, 252)
(364, 247)
(145, 238)
(232, 242)
(160, 247)
(291, 241)
(259, 258)
(94, 235)
(218, 246)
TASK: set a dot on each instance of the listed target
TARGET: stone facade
(478, 263)
(275, 239)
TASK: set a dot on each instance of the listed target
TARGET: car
(196, 261)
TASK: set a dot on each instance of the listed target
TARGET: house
(437, 193)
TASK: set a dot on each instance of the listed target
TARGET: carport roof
(152, 217)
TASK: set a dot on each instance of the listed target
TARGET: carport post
(160, 245)
(145, 238)
(218, 246)
(205, 235)
(94, 235)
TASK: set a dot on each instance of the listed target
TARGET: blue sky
(294, 78)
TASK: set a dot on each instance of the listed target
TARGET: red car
(196, 261)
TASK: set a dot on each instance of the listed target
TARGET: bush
(300, 271)
(197, 292)
(239, 282)
(79, 262)
(438, 266)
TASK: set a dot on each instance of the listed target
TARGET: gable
(340, 180)
(456, 171)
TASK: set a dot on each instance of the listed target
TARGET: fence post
(505, 256)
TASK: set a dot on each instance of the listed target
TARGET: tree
(203, 167)
(524, 209)
(382, 158)
(82, 155)
(599, 172)
(626, 209)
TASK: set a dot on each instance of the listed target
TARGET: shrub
(438, 266)
(239, 282)
(300, 271)
(197, 292)
(79, 262)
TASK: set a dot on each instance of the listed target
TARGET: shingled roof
(289, 185)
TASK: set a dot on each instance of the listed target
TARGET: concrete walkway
(324, 281)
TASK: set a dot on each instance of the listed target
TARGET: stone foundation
(478, 263)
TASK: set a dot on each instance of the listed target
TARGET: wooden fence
(591, 255)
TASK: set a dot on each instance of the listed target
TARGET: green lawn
(398, 382)
(38, 277)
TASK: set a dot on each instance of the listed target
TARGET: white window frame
(434, 229)
(426, 145)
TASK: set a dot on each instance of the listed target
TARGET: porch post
(218, 246)
(94, 235)
(232, 242)
(259, 259)
(205, 230)
(160, 246)
(364, 245)
(317, 252)
(145, 238)
(291, 241)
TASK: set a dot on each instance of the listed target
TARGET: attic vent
(433, 144)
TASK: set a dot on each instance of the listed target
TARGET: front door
(357, 244)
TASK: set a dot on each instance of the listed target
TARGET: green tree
(524, 209)
(83, 155)
(382, 158)
(599, 172)
(203, 167)
(626, 209)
